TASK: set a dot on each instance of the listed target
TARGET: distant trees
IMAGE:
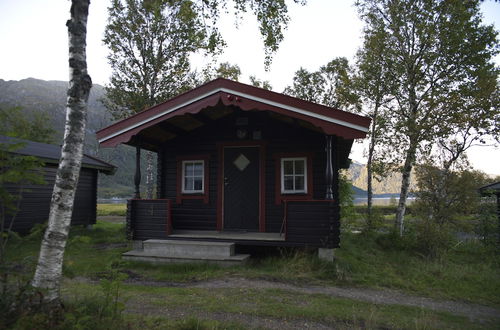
(15, 122)
(439, 55)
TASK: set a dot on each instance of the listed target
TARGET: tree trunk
(405, 184)
(149, 175)
(49, 268)
(369, 166)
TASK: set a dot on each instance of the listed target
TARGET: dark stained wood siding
(313, 223)
(279, 137)
(147, 218)
(35, 202)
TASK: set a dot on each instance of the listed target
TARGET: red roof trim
(332, 121)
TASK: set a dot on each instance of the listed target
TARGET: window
(293, 175)
(193, 177)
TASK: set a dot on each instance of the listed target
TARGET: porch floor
(230, 235)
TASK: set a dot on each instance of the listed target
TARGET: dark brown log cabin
(240, 163)
(35, 198)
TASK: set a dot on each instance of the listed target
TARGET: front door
(241, 188)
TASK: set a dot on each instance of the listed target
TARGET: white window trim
(184, 190)
(294, 191)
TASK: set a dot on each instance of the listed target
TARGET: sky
(33, 38)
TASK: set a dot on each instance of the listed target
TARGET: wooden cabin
(35, 198)
(242, 164)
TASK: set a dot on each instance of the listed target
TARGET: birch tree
(374, 89)
(150, 43)
(435, 48)
(48, 272)
(331, 85)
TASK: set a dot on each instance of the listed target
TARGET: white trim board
(251, 97)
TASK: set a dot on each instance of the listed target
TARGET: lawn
(469, 272)
(111, 209)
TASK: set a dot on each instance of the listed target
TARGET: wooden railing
(148, 218)
(313, 223)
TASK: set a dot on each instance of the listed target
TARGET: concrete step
(188, 249)
(148, 256)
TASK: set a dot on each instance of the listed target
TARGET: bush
(487, 227)
(432, 239)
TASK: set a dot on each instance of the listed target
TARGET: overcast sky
(33, 39)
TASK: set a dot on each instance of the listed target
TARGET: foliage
(16, 171)
(14, 122)
(150, 43)
(374, 88)
(346, 197)
(488, 226)
(331, 85)
(228, 71)
(443, 195)
(265, 84)
(438, 54)
(224, 70)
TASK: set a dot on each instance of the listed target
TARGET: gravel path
(387, 297)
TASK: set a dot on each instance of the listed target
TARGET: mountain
(391, 184)
(35, 95)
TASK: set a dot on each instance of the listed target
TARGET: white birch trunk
(48, 272)
(405, 185)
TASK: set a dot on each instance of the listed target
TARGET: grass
(468, 272)
(285, 306)
(111, 209)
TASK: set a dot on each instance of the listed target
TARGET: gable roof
(491, 188)
(330, 120)
(50, 153)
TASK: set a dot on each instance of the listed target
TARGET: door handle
(225, 181)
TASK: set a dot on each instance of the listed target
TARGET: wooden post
(137, 176)
(329, 169)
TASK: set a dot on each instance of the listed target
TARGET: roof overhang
(329, 120)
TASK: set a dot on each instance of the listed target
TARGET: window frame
(279, 195)
(183, 176)
(181, 192)
(294, 175)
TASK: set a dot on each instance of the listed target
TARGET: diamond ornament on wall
(241, 162)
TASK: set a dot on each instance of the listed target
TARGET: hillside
(357, 173)
(50, 97)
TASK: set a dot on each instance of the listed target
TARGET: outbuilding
(241, 164)
(35, 198)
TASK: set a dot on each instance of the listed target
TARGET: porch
(312, 223)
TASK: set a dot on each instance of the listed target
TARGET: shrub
(487, 227)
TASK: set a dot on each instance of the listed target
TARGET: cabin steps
(177, 251)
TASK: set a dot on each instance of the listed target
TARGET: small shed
(35, 199)
(241, 164)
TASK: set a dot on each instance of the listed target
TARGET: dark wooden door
(241, 188)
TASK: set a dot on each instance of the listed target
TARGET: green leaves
(331, 85)
(34, 125)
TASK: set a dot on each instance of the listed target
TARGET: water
(112, 201)
(382, 201)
